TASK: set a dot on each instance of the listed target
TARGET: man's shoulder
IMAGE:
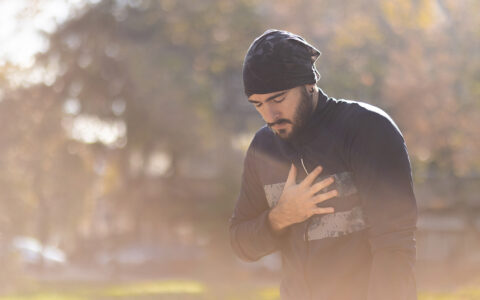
(264, 133)
(358, 115)
(359, 109)
(263, 144)
(263, 138)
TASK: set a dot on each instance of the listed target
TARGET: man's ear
(310, 88)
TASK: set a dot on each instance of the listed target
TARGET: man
(327, 183)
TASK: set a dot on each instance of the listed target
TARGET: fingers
(325, 196)
(311, 177)
(317, 187)
(292, 176)
(323, 210)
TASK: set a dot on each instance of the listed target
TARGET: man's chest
(348, 217)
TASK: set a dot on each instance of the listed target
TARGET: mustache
(280, 121)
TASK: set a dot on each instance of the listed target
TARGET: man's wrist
(275, 224)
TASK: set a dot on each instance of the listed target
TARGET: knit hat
(279, 60)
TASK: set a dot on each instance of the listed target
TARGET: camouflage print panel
(330, 225)
(343, 184)
(336, 224)
(273, 192)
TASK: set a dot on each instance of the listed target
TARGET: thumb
(292, 176)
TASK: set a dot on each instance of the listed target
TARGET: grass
(182, 290)
(161, 289)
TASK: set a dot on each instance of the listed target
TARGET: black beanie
(279, 60)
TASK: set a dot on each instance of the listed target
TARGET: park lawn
(145, 290)
(182, 290)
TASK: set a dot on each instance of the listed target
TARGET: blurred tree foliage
(170, 71)
(165, 69)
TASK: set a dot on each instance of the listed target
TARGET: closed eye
(258, 104)
(273, 97)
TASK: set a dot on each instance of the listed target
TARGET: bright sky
(21, 24)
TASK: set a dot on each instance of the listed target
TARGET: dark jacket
(366, 249)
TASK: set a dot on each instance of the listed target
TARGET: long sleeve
(251, 236)
(381, 167)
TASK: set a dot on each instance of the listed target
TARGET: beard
(303, 112)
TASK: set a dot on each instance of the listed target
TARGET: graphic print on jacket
(330, 225)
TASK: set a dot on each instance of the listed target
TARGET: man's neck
(315, 99)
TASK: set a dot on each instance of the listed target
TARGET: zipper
(303, 165)
(305, 237)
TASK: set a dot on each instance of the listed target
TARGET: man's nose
(271, 115)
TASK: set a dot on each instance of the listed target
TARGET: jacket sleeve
(251, 236)
(380, 162)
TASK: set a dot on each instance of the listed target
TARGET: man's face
(285, 112)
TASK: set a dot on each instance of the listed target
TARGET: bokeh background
(124, 127)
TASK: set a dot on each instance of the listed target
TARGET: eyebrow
(269, 98)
